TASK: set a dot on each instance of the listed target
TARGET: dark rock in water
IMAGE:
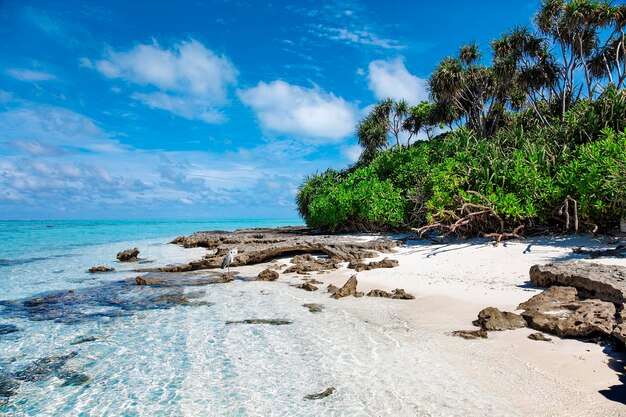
(313, 281)
(275, 322)
(170, 280)
(493, 319)
(603, 282)
(397, 294)
(268, 275)
(8, 328)
(128, 255)
(101, 268)
(110, 300)
(557, 311)
(73, 378)
(262, 245)
(314, 308)
(349, 288)
(8, 387)
(43, 368)
(307, 286)
(319, 396)
(332, 288)
(385, 263)
(83, 339)
(539, 336)
(470, 334)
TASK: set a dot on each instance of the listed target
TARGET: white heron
(229, 258)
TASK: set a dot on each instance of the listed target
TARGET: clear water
(143, 360)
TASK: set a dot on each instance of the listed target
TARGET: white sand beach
(452, 283)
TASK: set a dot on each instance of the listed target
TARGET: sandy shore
(453, 282)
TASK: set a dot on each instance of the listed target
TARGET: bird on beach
(229, 258)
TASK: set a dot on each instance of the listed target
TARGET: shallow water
(167, 359)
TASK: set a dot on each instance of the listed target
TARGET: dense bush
(525, 175)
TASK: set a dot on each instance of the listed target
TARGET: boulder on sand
(397, 294)
(268, 275)
(349, 288)
(361, 266)
(493, 319)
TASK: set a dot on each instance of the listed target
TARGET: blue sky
(205, 109)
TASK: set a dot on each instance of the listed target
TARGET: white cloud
(359, 37)
(391, 79)
(189, 108)
(311, 112)
(187, 68)
(352, 153)
(24, 74)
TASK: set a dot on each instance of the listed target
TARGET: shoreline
(452, 282)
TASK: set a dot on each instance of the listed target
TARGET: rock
(43, 368)
(73, 378)
(313, 281)
(569, 318)
(398, 294)
(592, 280)
(314, 308)
(304, 264)
(101, 268)
(493, 319)
(471, 334)
(332, 288)
(8, 328)
(128, 255)
(553, 296)
(168, 280)
(619, 332)
(83, 339)
(8, 387)
(263, 245)
(539, 336)
(307, 286)
(275, 322)
(385, 263)
(323, 394)
(349, 288)
(268, 275)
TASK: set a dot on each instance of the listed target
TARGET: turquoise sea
(80, 344)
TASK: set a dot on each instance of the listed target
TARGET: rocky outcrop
(397, 294)
(262, 245)
(493, 319)
(592, 280)
(128, 255)
(332, 288)
(169, 280)
(101, 268)
(8, 328)
(619, 332)
(349, 288)
(323, 394)
(314, 308)
(307, 286)
(557, 311)
(539, 336)
(275, 322)
(268, 275)
(470, 334)
(385, 263)
(304, 264)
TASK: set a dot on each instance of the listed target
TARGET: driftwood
(471, 220)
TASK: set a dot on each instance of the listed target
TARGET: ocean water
(97, 345)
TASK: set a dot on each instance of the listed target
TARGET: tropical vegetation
(533, 140)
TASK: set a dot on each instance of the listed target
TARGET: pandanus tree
(473, 91)
(573, 33)
(384, 124)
